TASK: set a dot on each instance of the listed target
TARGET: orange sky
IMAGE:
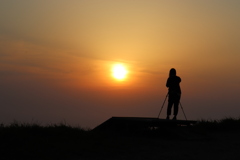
(56, 59)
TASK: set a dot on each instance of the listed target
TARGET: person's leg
(175, 110)
(169, 108)
(176, 104)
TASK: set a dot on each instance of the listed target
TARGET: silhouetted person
(174, 93)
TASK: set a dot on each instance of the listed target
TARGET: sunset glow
(85, 61)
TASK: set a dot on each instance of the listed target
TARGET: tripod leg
(162, 106)
(183, 111)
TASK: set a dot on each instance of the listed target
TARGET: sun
(119, 71)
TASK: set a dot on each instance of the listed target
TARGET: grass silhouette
(226, 124)
(208, 139)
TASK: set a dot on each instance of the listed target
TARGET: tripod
(164, 103)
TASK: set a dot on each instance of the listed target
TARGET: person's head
(172, 72)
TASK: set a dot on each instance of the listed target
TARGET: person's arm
(167, 84)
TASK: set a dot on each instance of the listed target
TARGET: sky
(56, 59)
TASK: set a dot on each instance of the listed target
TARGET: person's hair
(172, 72)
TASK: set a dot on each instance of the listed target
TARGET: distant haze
(56, 59)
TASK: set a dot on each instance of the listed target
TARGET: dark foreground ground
(206, 140)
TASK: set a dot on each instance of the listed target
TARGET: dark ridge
(214, 139)
(140, 123)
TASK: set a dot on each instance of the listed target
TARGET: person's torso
(173, 83)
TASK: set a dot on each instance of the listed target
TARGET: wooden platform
(139, 123)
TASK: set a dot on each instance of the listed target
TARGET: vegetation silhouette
(207, 139)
